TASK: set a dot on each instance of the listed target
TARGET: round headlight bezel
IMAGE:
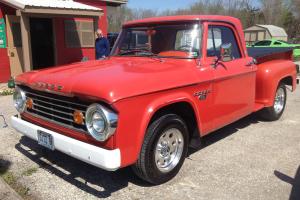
(19, 98)
(109, 117)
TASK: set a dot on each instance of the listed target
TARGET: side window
(263, 43)
(218, 35)
(214, 42)
(277, 43)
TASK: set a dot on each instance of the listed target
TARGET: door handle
(12, 54)
(251, 63)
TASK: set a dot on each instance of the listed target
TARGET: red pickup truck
(168, 80)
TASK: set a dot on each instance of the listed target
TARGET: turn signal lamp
(29, 103)
(78, 117)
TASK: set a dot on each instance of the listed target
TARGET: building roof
(275, 31)
(60, 4)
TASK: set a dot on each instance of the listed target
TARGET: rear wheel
(274, 112)
(164, 149)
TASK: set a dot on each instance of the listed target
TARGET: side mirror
(226, 52)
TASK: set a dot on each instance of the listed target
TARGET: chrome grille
(56, 108)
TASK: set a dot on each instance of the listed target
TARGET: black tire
(270, 113)
(146, 167)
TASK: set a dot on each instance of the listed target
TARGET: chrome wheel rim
(169, 150)
(279, 100)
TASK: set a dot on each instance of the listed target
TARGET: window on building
(218, 35)
(79, 34)
(16, 32)
(260, 35)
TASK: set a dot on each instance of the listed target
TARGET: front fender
(269, 75)
(135, 115)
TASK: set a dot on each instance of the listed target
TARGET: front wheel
(274, 112)
(164, 149)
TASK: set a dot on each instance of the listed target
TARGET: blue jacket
(102, 47)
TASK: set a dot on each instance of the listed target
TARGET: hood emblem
(48, 86)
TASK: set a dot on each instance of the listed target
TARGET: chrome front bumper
(106, 159)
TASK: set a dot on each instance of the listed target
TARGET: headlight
(19, 100)
(101, 122)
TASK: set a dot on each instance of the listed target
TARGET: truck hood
(115, 78)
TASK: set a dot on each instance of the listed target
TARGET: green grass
(29, 171)
(9, 178)
(22, 191)
(12, 181)
(6, 92)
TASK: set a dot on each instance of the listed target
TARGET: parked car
(278, 43)
(181, 79)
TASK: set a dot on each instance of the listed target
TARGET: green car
(278, 43)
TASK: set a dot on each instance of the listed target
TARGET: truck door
(233, 86)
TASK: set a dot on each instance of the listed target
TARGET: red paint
(67, 55)
(4, 60)
(102, 23)
(137, 87)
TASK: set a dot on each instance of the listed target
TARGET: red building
(37, 34)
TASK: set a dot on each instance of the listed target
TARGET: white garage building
(263, 32)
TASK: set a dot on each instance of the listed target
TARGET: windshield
(176, 41)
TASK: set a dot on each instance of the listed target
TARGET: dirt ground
(249, 159)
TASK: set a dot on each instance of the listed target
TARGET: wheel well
(185, 111)
(287, 80)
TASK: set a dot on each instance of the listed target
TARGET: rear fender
(269, 75)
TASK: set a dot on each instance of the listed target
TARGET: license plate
(45, 139)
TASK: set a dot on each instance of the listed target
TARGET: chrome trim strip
(56, 122)
(62, 118)
(68, 102)
(70, 108)
(54, 110)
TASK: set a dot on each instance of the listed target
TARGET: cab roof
(164, 19)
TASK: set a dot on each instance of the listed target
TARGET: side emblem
(202, 94)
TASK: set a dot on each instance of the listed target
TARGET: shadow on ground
(4, 166)
(295, 182)
(98, 182)
(228, 130)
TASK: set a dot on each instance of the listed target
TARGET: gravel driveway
(249, 159)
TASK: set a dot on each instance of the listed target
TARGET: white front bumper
(99, 157)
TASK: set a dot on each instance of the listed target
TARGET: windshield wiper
(136, 51)
(142, 52)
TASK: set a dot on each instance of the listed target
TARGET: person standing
(101, 46)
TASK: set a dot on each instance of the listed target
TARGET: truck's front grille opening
(56, 108)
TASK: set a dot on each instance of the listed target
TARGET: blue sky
(160, 5)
